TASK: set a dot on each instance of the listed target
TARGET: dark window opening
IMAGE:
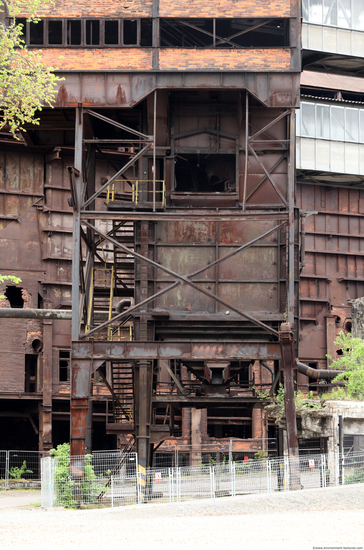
(191, 33)
(111, 32)
(74, 33)
(222, 429)
(64, 365)
(205, 173)
(130, 36)
(93, 32)
(101, 370)
(36, 33)
(55, 33)
(23, 23)
(146, 33)
(347, 326)
(31, 362)
(242, 374)
(233, 33)
(15, 297)
(223, 33)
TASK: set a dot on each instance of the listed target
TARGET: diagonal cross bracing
(186, 278)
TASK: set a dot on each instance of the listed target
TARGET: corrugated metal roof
(330, 99)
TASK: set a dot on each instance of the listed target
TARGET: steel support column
(287, 348)
(46, 409)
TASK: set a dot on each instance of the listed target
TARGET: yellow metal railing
(136, 191)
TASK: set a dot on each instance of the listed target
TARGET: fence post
(269, 477)
(176, 457)
(170, 483)
(286, 473)
(47, 481)
(139, 500)
(323, 471)
(233, 479)
(7, 470)
(212, 481)
(230, 454)
(179, 484)
(112, 491)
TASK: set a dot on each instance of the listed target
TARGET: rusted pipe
(317, 374)
(20, 313)
(122, 304)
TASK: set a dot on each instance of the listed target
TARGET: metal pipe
(20, 313)
(317, 374)
(123, 303)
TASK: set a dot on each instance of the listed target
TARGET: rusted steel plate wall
(249, 280)
(115, 89)
(334, 264)
(21, 183)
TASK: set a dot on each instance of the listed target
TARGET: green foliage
(352, 361)
(10, 278)
(16, 473)
(302, 401)
(261, 455)
(65, 486)
(356, 477)
(26, 84)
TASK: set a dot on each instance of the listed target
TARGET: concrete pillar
(196, 436)
(357, 314)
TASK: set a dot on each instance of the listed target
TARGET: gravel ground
(308, 519)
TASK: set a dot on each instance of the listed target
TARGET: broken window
(92, 32)
(223, 33)
(55, 33)
(36, 33)
(64, 365)
(190, 33)
(208, 173)
(146, 33)
(111, 33)
(74, 37)
(23, 23)
(15, 296)
(130, 34)
(31, 364)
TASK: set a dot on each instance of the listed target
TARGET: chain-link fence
(89, 480)
(113, 479)
(19, 468)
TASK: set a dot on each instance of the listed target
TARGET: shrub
(68, 494)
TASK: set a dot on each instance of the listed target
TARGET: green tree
(352, 361)
(26, 84)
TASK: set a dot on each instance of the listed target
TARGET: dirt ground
(308, 519)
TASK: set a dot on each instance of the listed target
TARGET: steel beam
(116, 351)
(76, 226)
(185, 215)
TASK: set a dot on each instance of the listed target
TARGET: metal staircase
(123, 232)
(122, 385)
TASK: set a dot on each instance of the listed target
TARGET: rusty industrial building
(214, 217)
